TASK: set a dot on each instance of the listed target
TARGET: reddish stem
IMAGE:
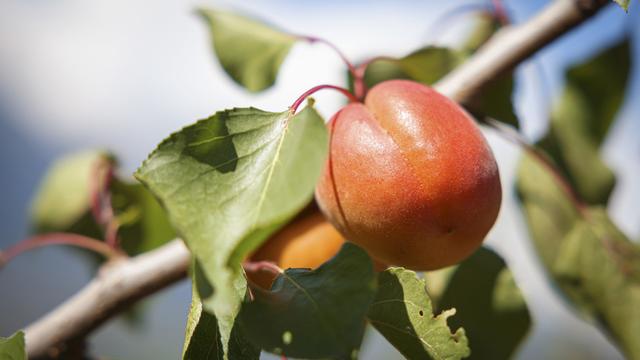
(111, 234)
(358, 80)
(101, 178)
(37, 241)
(294, 107)
(500, 12)
(267, 266)
(313, 39)
(513, 136)
(101, 206)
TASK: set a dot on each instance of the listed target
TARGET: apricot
(307, 242)
(410, 177)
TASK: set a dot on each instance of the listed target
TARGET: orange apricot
(307, 242)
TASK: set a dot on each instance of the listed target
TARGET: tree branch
(513, 44)
(120, 284)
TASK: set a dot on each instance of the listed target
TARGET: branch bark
(513, 44)
(120, 284)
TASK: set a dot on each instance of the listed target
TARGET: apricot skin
(410, 177)
(305, 243)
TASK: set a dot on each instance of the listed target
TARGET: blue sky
(122, 75)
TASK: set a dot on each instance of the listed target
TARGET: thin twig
(76, 240)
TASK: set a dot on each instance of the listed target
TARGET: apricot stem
(500, 12)
(255, 266)
(294, 107)
(358, 81)
(515, 137)
(101, 206)
(37, 241)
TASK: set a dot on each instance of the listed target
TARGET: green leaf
(594, 265)
(13, 348)
(144, 224)
(495, 101)
(624, 4)
(228, 182)
(332, 301)
(63, 200)
(581, 120)
(402, 312)
(249, 51)
(488, 302)
(426, 65)
(203, 339)
(63, 204)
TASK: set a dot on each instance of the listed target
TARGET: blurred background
(122, 75)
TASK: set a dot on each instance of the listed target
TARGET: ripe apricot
(307, 242)
(410, 177)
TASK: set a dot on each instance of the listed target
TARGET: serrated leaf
(403, 313)
(488, 304)
(249, 51)
(595, 266)
(63, 199)
(203, 339)
(228, 182)
(144, 224)
(314, 314)
(624, 4)
(13, 347)
(581, 119)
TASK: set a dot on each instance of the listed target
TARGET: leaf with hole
(403, 313)
(488, 304)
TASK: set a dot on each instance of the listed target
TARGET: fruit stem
(37, 241)
(314, 39)
(294, 107)
(101, 206)
(358, 80)
(262, 266)
(500, 12)
(513, 136)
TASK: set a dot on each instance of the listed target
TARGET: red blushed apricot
(410, 177)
